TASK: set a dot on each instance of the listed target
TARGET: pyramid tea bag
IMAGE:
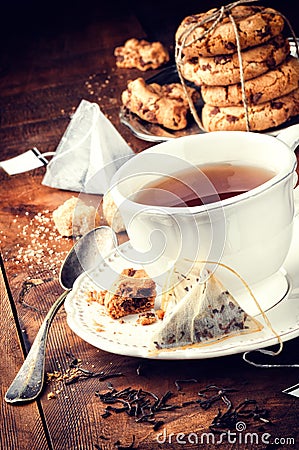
(199, 310)
(89, 153)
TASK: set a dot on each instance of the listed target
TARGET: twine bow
(216, 17)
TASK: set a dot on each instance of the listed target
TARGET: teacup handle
(290, 136)
(296, 200)
(291, 262)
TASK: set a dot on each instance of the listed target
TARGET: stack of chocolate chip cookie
(264, 93)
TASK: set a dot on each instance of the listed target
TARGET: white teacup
(251, 232)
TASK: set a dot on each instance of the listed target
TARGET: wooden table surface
(52, 57)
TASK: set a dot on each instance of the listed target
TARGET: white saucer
(89, 321)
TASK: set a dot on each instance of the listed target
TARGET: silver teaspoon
(86, 254)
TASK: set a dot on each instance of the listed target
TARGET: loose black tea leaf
(140, 370)
(179, 382)
(219, 395)
(125, 447)
(83, 374)
(138, 403)
(103, 437)
(104, 376)
(158, 425)
(144, 406)
(245, 410)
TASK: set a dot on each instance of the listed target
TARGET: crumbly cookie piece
(256, 25)
(225, 69)
(165, 105)
(112, 214)
(75, 218)
(133, 292)
(147, 318)
(141, 54)
(275, 83)
(96, 296)
(261, 117)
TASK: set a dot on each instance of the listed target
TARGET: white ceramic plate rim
(124, 338)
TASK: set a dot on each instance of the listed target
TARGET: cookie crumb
(147, 318)
(51, 395)
(160, 314)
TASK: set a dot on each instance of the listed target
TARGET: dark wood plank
(47, 78)
(66, 55)
(159, 377)
(22, 426)
(43, 109)
(76, 406)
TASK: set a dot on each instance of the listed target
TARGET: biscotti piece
(141, 54)
(133, 292)
(165, 105)
(75, 218)
(261, 117)
(275, 83)
(223, 70)
(256, 25)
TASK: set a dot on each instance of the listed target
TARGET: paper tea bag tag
(293, 390)
(31, 159)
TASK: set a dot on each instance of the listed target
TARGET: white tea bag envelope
(89, 153)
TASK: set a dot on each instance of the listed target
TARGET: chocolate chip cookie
(255, 24)
(142, 55)
(261, 117)
(272, 84)
(165, 105)
(225, 69)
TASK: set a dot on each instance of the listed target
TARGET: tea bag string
(266, 366)
(265, 317)
(262, 312)
(244, 98)
(215, 18)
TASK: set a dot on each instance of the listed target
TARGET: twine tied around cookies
(215, 18)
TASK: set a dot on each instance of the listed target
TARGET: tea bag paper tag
(31, 159)
(293, 390)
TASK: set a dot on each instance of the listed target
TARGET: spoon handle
(29, 381)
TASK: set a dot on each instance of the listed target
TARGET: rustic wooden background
(52, 55)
